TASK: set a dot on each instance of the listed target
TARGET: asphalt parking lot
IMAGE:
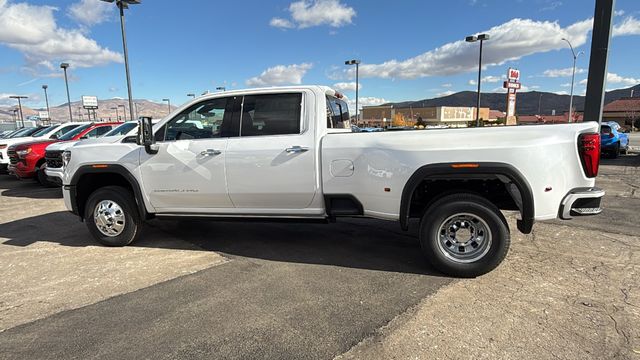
(354, 289)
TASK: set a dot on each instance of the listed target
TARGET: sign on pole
(43, 115)
(89, 102)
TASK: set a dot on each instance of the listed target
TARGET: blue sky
(409, 50)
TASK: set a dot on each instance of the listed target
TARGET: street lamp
(168, 104)
(192, 95)
(64, 66)
(470, 39)
(117, 115)
(573, 75)
(221, 88)
(124, 4)
(539, 103)
(355, 62)
(46, 99)
(20, 106)
(124, 112)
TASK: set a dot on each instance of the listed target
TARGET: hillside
(105, 110)
(527, 102)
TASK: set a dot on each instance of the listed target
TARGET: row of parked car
(36, 152)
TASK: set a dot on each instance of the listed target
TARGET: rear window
(41, 131)
(337, 114)
(605, 130)
(271, 114)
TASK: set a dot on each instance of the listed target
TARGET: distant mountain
(527, 102)
(105, 110)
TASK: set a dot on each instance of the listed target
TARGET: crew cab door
(271, 165)
(187, 173)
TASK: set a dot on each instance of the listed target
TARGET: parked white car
(290, 153)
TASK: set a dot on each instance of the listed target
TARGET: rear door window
(271, 114)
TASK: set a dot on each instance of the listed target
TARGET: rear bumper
(581, 202)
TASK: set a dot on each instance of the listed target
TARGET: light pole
(64, 66)
(46, 99)
(192, 95)
(124, 112)
(14, 113)
(168, 104)
(20, 106)
(221, 88)
(117, 115)
(137, 111)
(573, 75)
(481, 38)
(355, 62)
(124, 4)
(539, 103)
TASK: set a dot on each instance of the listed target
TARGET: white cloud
(629, 26)
(551, 5)
(346, 86)
(561, 92)
(445, 93)
(281, 75)
(472, 82)
(554, 73)
(281, 23)
(5, 99)
(364, 101)
(485, 79)
(618, 12)
(309, 13)
(615, 79)
(90, 12)
(509, 41)
(447, 85)
(32, 30)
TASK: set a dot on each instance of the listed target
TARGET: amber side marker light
(99, 166)
(463, 166)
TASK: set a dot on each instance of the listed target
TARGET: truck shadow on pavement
(622, 160)
(351, 243)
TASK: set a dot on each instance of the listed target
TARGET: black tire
(616, 151)
(439, 251)
(124, 199)
(41, 176)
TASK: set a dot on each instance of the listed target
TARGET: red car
(26, 160)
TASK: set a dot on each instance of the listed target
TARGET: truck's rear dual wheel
(112, 217)
(464, 235)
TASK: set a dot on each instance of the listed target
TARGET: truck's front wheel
(112, 217)
(464, 235)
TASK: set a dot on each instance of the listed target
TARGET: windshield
(24, 132)
(73, 133)
(41, 131)
(122, 129)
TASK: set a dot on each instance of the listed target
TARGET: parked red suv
(26, 160)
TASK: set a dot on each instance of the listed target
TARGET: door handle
(210, 152)
(296, 149)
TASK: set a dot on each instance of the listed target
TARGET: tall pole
(124, 112)
(168, 104)
(46, 99)
(21, 115)
(598, 57)
(126, 56)
(64, 66)
(573, 76)
(479, 81)
(539, 103)
(357, 85)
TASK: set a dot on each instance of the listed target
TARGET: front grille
(53, 158)
(13, 157)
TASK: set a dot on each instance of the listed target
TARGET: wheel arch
(89, 178)
(462, 171)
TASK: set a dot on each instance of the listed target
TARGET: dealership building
(390, 115)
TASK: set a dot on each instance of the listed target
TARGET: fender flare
(447, 171)
(106, 169)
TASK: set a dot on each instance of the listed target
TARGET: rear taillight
(611, 136)
(589, 150)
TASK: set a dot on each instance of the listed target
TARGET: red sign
(511, 85)
(513, 74)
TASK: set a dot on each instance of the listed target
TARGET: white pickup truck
(289, 153)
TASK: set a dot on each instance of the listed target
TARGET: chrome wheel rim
(464, 238)
(109, 218)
